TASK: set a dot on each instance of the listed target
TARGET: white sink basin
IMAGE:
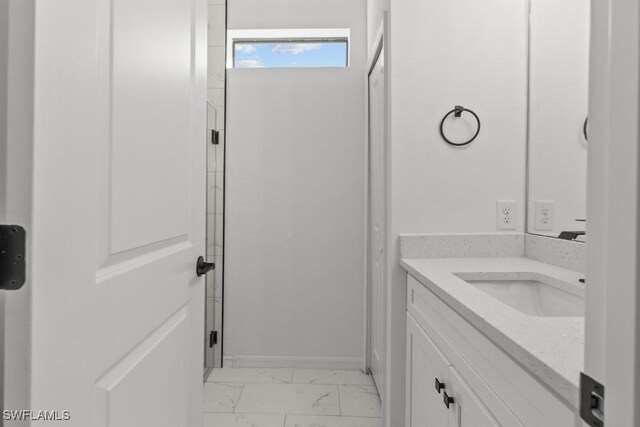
(533, 297)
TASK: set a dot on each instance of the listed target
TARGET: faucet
(572, 235)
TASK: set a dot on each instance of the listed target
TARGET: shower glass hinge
(591, 401)
(213, 338)
(215, 137)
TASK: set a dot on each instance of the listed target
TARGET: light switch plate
(506, 215)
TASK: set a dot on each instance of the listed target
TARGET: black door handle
(202, 267)
(439, 386)
(448, 400)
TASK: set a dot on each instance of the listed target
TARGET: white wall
(458, 52)
(446, 53)
(558, 107)
(295, 196)
(281, 14)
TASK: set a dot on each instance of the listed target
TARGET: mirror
(558, 105)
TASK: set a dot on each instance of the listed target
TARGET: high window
(310, 48)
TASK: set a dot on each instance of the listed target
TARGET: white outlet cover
(544, 215)
(506, 215)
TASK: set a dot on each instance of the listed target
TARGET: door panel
(376, 219)
(143, 373)
(150, 121)
(425, 364)
(119, 211)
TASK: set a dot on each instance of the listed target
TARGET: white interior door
(118, 217)
(377, 228)
(612, 324)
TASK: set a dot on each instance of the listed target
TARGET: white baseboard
(292, 362)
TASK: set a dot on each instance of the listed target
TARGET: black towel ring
(584, 129)
(457, 111)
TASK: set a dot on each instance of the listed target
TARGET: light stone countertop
(549, 348)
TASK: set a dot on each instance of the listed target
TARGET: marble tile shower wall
(215, 162)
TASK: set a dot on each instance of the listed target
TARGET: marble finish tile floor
(260, 397)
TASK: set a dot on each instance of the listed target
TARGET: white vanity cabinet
(484, 386)
(438, 395)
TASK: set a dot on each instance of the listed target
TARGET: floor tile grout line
(293, 372)
(249, 382)
(239, 396)
(281, 383)
(320, 415)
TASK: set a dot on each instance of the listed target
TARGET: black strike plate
(591, 401)
(12, 257)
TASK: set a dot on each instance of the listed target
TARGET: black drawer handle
(447, 399)
(202, 267)
(439, 386)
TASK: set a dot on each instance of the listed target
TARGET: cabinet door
(425, 365)
(467, 409)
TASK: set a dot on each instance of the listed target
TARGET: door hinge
(213, 338)
(591, 401)
(12, 257)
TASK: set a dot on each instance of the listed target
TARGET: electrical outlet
(506, 215)
(544, 215)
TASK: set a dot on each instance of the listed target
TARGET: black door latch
(13, 264)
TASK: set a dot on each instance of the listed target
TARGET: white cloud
(295, 48)
(246, 49)
(249, 63)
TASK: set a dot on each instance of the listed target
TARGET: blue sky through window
(290, 54)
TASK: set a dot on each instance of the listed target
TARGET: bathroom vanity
(493, 342)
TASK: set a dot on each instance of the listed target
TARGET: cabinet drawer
(514, 396)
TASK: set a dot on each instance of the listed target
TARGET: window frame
(307, 35)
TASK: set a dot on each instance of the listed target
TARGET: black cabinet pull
(439, 386)
(447, 399)
(202, 267)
